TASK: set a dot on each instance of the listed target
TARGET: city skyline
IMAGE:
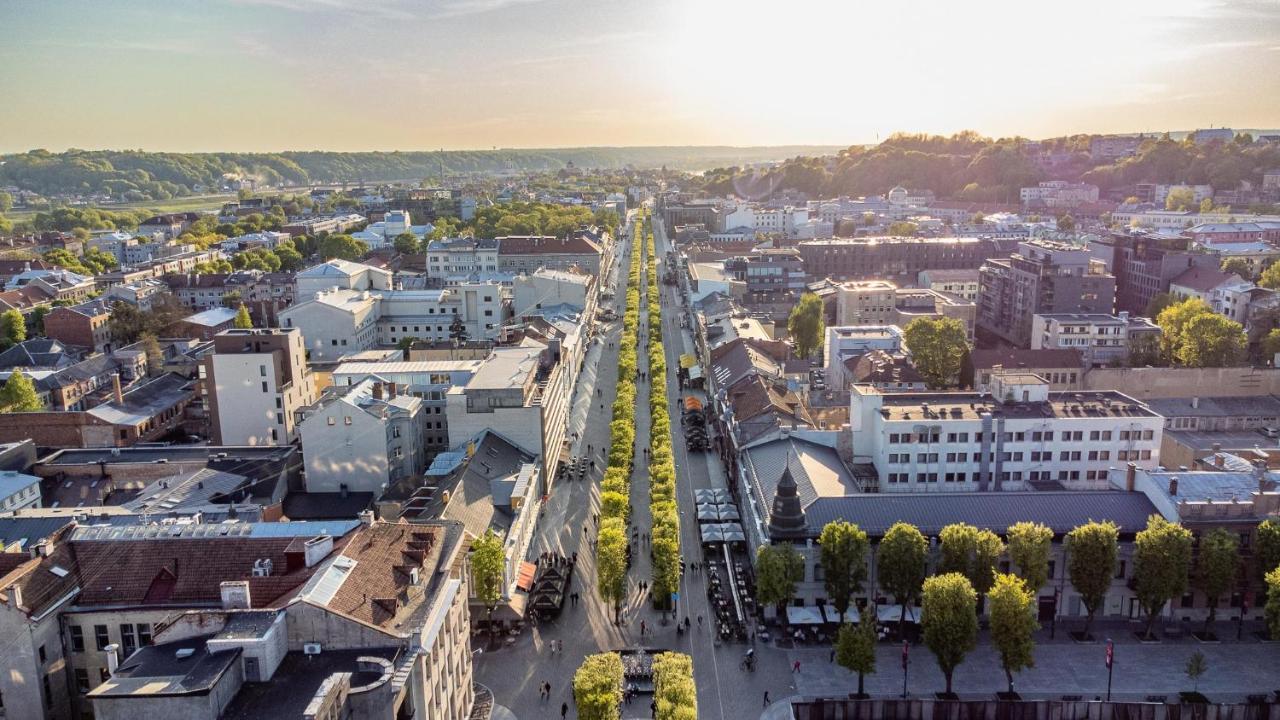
(270, 75)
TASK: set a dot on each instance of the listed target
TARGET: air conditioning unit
(311, 648)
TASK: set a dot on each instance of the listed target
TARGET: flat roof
(971, 406)
(506, 368)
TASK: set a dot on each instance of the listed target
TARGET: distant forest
(136, 175)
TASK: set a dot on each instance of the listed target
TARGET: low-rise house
(207, 323)
(1063, 369)
(142, 294)
(1222, 291)
(1101, 339)
(38, 354)
(18, 491)
(57, 284)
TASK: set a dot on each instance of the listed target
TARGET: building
(1059, 194)
(341, 275)
(961, 283)
(18, 491)
(57, 284)
(897, 259)
(1227, 293)
(1256, 255)
(706, 278)
(254, 383)
(461, 257)
(845, 344)
(526, 253)
(207, 323)
(141, 294)
(1196, 426)
(1113, 147)
(545, 288)
(264, 294)
(1062, 369)
(362, 437)
(880, 302)
(522, 391)
(86, 325)
(1204, 136)
(324, 226)
(167, 226)
(427, 380)
(1101, 339)
(1043, 277)
(1144, 265)
(770, 275)
(1018, 437)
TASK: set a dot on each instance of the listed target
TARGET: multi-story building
(1063, 369)
(362, 437)
(18, 491)
(461, 257)
(264, 294)
(86, 325)
(1043, 277)
(1144, 265)
(961, 283)
(1112, 147)
(254, 383)
(547, 288)
(523, 390)
(771, 276)
(57, 284)
(897, 259)
(1101, 339)
(427, 380)
(1227, 293)
(1018, 437)
(1059, 194)
(167, 226)
(340, 275)
(324, 226)
(141, 294)
(879, 302)
(526, 253)
(848, 343)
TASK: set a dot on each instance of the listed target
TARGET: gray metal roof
(996, 511)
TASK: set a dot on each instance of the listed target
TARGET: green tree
(611, 563)
(1161, 557)
(1029, 547)
(1217, 564)
(6, 202)
(243, 321)
(938, 348)
(778, 568)
(1195, 668)
(1013, 624)
(903, 228)
(487, 564)
(1270, 277)
(971, 552)
(19, 394)
(458, 330)
(1268, 545)
(1144, 350)
(1066, 223)
(1212, 341)
(155, 355)
(37, 318)
(341, 247)
(674, 691)
(950, 619)
(843, 552)
(406, 243)
(1158, 303)
(1270, 345)
(1238, 266)
(290, 259)
(13, 327)
(597, 687)
(1272, 579)
(1180, 198)
(1092, 550)
(901, 563)
(806, 325)
(856, 646)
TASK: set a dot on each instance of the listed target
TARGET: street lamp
(1111, 661)
(906, 662)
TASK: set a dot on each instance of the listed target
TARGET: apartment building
(770, 276)
(526, 253)
(340, 275)
(86, 325)
(961, 283)
(427, 380)
(461, 257)
(1043, 277)
(1145, 264)
(324, 226)
(1018, 437)
(142, 294)
(1101, 339)
(254, 383)
(895, 258)
(1227, 293)
(880, 302)
(844, 344)
(362, 437)
(265, 294)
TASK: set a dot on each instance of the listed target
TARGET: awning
(851, 615)
(687, 361)
(692, 403)
(893, 613)
(524, 580)
(512, 610)
(804, 615)
(695, 372)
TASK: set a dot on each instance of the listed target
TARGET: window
(44, 657)
(82, 680)
(264, 386)
(333, 421)
(128, 640)
(104, 674)
(144, 634)
(101, 637)
(77, 638)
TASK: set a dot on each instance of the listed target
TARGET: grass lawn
(184, 204)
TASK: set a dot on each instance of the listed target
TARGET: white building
(1016, 438)
(1160, 193)
(461, 257)
(545, 288)
(428, 380)
(1101, 339)
(335, 323)
(1227, 293)
(787, 220)
(253, 382)
(362, 437)
(340, 274)
(843, 343)
(18, 491)
(961, 283)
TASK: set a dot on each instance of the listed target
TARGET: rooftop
(972, 405)
(182, 667)
(506, 368)
(1012, 358)
(297, 680)
(1265, 406)
(212, 317)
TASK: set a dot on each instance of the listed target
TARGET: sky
(270, 75)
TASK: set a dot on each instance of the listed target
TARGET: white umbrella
(893, 613)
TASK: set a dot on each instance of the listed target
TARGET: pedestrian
(766, 699)
(686, 622)
(833, 656)
(564, 710)
(699, 621)
(642, 626)
(653, 709)
(795, 666)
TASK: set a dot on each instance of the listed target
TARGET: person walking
(642, 628)
(564, 710)
(795, 667)
(766, 699)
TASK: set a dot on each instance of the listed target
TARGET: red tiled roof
(385, 553)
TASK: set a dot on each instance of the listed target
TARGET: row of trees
(597, 687)
(615, 488)
(663, 515)
(674, 693)
(1166, 562)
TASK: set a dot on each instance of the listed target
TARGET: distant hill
(135, 175)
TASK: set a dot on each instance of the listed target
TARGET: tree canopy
(949, 616)
(938, 348)
(597, 687)
(1030, 545)
(1196, 336)
(971, 552)
(1217, 565)
(855, 645)
(778, 568)
(19, 394)
(1092, 549)
(843, 553)
(1013, 624)
(806, 325)
(1161, 558)
(901, 562)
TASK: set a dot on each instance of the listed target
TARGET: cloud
(390, 9)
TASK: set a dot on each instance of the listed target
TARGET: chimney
(1260, 473)
(235, 595)
(15, 596)
(1217, 447)
(113, 658)
(317, 549)
(1173, 486)
(366, 518)
(391, 391)
(1195, 403)
(377, 391)
(115, 389)
(1130, 476)
(1219, 460)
